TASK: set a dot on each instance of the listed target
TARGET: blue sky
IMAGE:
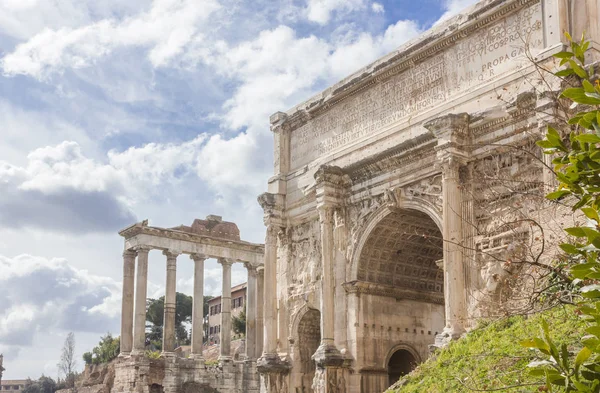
(112, 112)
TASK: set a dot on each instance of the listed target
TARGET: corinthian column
(251, 313)
(454, 280)
(451, 132)
(270, 362)
(226, 311)
(170, 300)
(127, 302)
(198, 305)
(329, 190)
(260, 289)
(141, 288)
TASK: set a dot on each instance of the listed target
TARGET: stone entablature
(444, 63)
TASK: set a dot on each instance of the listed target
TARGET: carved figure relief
(429, 189)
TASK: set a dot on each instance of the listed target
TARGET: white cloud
(377, 8)
(454, 7)
(320, 11)
(165, 29)
(40, 294)
(60, 188)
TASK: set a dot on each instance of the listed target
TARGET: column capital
(171, 254)
(260, 271)
(250, 267)
(142, 249)
(226, 261)
(451, 132)
(129, 253)
(329, 174)
(199, 257)
(272, 205)
(326, 213)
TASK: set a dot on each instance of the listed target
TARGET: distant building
(238, 303)
(13, 385)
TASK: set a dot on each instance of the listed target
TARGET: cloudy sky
(116, 111)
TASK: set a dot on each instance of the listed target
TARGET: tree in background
(42, 385)
(155, 309)
(68, 363)
(239, 323)
(155, 313)
(106, 350)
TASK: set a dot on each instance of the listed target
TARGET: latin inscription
(478, 58)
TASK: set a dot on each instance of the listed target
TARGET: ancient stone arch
(306, 337)
(380, 214)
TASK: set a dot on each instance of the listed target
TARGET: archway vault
(402, 250)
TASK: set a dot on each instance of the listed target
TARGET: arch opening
(403, 251)
(309, 338)
(401, 283)
(401, 363)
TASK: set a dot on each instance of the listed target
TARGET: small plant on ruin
(577, 168)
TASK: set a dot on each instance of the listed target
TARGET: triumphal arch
(403, 195)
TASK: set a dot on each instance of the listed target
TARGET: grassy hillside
(490, 357)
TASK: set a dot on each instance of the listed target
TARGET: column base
(327, 355)
(271, 363)
(225, 359)
(124, 354)
(138, 352)
(168, 355)
(197, 357)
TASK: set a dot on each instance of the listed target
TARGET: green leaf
(588, 138)
(564, 55)
(569, 248)
(591, 213)
(578, 95)
(577, 68)
(557, 194)
(587, 86)
(564, 73)
(575, 231)
(581, 357)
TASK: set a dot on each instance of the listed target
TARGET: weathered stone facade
(407, 198)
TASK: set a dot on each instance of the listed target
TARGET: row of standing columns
(133, 312)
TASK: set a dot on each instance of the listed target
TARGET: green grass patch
(491, 358)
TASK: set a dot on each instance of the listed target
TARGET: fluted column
(226, 310)
(198, 305)
(454, 282)
(260, 289)
(251, 313)
(127, 302)
(270, 292)
(327, 354)
(170, 300)
(141, 289)
(452, 134)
